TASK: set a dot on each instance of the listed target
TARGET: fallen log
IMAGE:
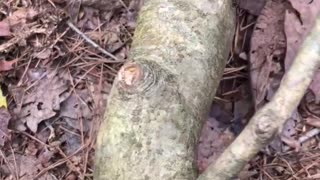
(159, 99)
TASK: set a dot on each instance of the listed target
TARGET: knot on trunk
(265, 127)
(137, 78)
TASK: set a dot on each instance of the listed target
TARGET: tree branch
(264, 125)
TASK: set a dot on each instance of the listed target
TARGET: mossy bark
(159, 100)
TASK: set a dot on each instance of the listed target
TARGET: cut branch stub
(136, 77)
(130, 75)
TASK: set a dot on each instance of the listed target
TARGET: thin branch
(267, 121)
(92, 43)
(309, 135)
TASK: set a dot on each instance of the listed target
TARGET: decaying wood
(269, 119)
(159, 99)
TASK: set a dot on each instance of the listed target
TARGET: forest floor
(58, 59)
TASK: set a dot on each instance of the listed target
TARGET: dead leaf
(31, 149)
(4, 29)
(72, 141)
(44, 101)
(76, 107)
(89, 19)
(26, 166)
(20, 37)
(7, 65)
(311, 105)
(298, 22)
(21, 16)
(45, 157)
(213, 141)
(252, 6)
(267, 49)
(4, 121)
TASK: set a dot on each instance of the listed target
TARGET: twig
(59, 163)
(86, 38)
(15, 162)
(8, 164)
(303, 139)
(309, 135)
(124, 5)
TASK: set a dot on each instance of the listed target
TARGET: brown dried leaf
(44, 101)
(310, 105)
(4, 121)
(76, 107)
(72, 142)
(213, 141)
(4, 29)
(267, 49)
(7, 65)
(298, 22)
(20, 37)
(45, 157)
(21, 16)
(26, 166)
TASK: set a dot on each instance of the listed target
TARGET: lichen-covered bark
(159, 100)
(269, 119)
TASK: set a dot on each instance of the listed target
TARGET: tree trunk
(160, 99)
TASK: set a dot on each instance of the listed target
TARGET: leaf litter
(56, 83)
(43, 102)
(4, 122)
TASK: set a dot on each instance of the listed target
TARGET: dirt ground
(58, 59)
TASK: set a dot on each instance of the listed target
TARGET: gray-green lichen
(151, 133)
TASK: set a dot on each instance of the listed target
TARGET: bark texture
(159, 99)
(269, 119)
